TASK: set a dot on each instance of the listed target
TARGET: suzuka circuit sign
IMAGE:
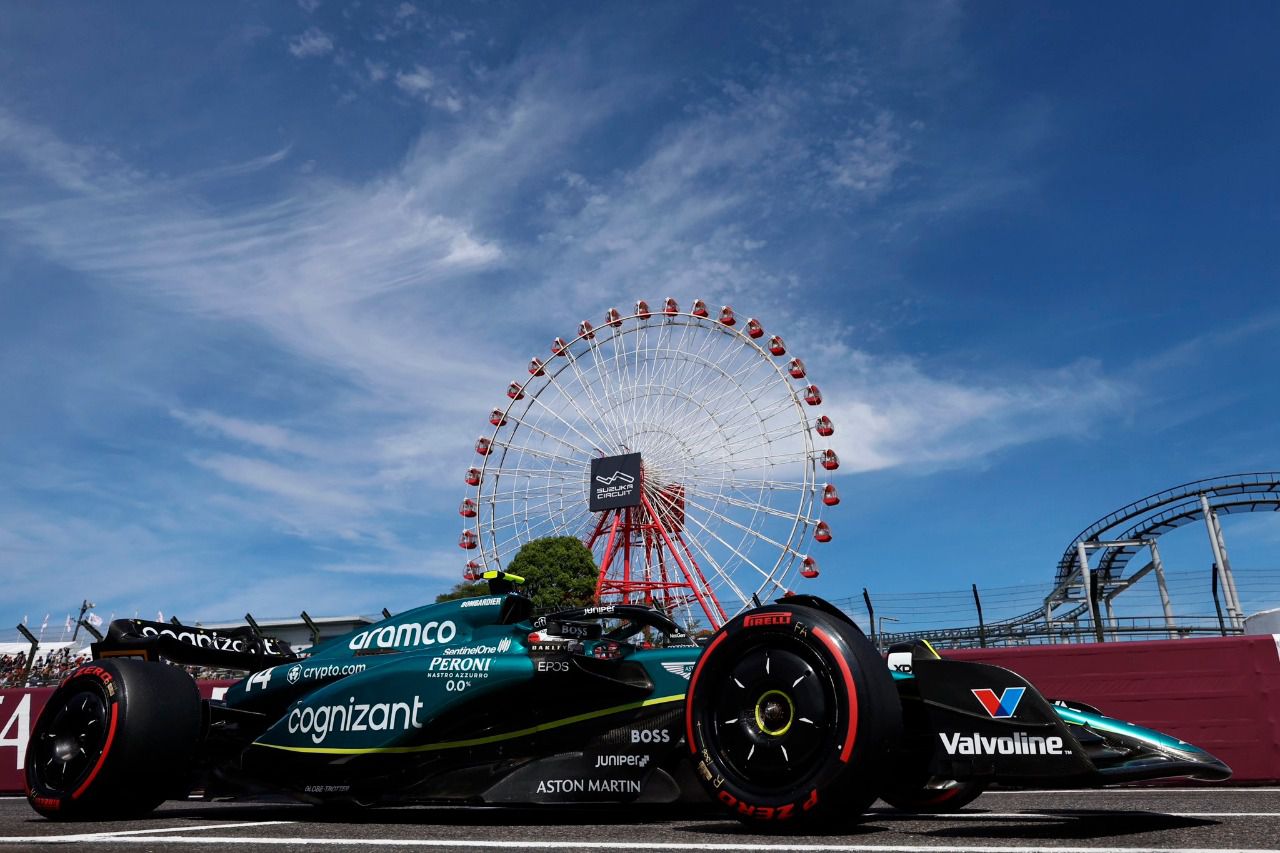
(615, 482)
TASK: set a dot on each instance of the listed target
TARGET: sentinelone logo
(615, 482)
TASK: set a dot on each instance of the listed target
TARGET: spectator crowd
(48, 669)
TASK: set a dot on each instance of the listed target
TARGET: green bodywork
(406, 684)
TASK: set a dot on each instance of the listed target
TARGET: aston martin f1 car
(788, 715)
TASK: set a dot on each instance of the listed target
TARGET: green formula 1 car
(787, 715)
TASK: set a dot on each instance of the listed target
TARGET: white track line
(1042, 791)
(1063, 814)
(125, 832)
(242, 841)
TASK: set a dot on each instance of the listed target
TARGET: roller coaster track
(1142, 520)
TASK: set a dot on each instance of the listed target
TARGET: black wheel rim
(68, 747)
(773, 714)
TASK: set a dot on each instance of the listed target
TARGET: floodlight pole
(982, 628)
(85, 606)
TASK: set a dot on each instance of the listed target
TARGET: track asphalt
(1125, 820)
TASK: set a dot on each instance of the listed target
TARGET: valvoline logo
(1003, 705)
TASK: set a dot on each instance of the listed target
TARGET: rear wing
(243, 648)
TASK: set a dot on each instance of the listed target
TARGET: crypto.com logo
(1001, 706)
(617, 475)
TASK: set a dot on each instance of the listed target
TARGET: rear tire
(788, 716)
(115, 740)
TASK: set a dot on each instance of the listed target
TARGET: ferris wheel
(684, 449)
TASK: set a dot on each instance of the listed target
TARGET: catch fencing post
(982, 628)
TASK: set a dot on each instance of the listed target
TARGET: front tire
(116, 739)
(788, 716)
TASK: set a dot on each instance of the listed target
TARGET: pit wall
(1221, 694)
(18, 711)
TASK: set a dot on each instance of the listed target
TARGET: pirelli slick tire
(933, 796)
(117, 738)
(789, 715)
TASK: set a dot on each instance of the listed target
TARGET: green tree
(464, 589)
(559, 572)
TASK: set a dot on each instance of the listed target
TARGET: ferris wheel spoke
(608, 391)
(514, 525)
(771, 485)
(761, 433)
(529, 426)
(732, 522)
(767, 577)
(670, 360)
(776, 408)
(642, 371)
(753, 463)
(525, 490)
(595, 445)
(724, 576)
(553, 381)
(540, 454)
(762, 508)
(603, 415)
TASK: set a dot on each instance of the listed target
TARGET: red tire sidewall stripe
(693, 683)
(106, 749)
(851, 690)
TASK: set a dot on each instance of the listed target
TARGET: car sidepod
(487, 717)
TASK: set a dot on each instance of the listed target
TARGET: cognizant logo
(355, 717)
(405, 634)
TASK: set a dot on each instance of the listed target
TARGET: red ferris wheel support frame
(642, 529)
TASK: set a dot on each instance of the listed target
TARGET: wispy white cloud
(268, 436)
(867, 159)
(890, 413)
(419, 81)
(310, 43)
(281, 482)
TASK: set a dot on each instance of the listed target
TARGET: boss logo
(650, 736)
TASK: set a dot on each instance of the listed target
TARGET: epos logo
(1001, 706)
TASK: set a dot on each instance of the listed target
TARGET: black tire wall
(151, 716)
(834, 708)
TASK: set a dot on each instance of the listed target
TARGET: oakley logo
(1001, 706)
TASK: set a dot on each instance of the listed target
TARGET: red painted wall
(1221, 694)
(18, 711)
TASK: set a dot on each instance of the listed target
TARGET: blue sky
(265, 267)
